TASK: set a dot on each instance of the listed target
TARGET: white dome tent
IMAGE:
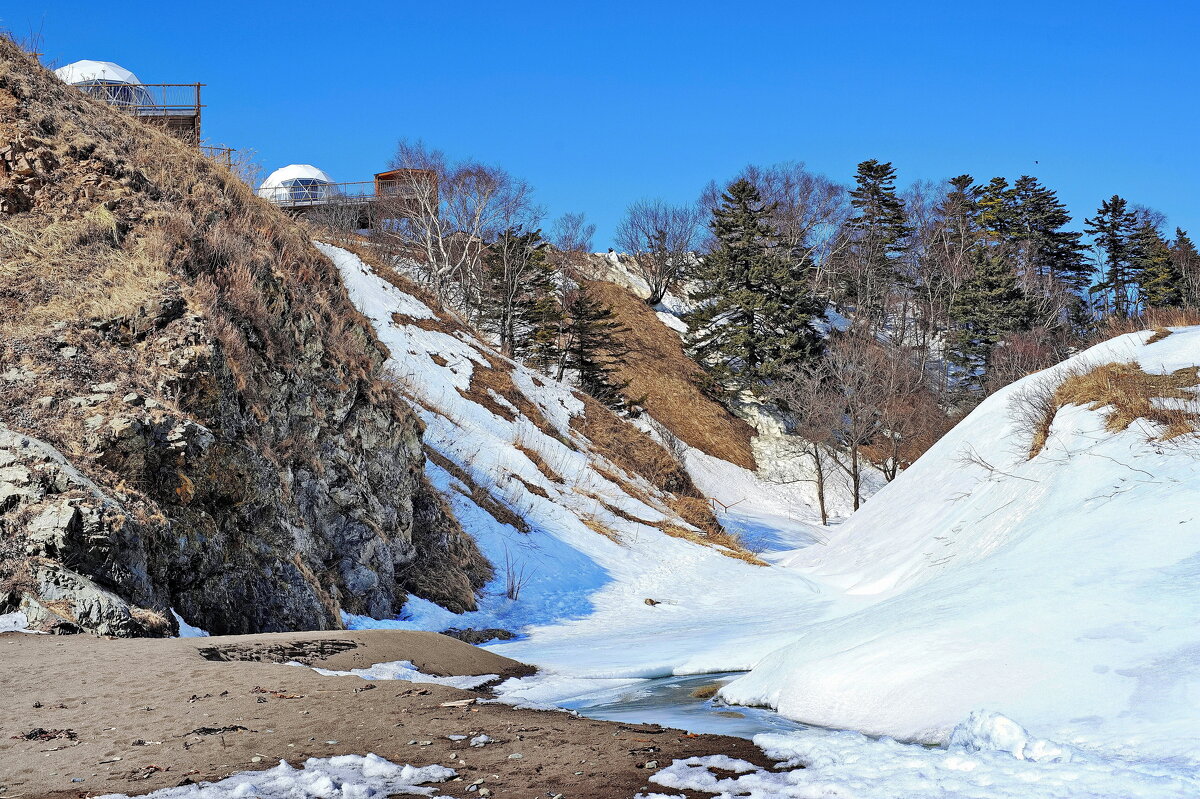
(297, 184)
(105, 81)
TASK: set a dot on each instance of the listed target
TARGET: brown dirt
(658, 369)
(159, 693)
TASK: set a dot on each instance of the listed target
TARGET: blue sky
(600, 104)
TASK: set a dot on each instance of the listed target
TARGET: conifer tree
(1160, 283)
(1047, 250)
(594, 349)
(518, 296)
(1113, 227)
(877, 235)
(755, 304)
(992, 306)
(1187, 263)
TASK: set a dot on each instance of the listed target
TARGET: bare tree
(808, 400)
(660, 237)
(571, 232)
(807, 209)
(442, 214)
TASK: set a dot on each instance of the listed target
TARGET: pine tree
(594, 349)
(518, 296)
(992, 305)
(755, 304)
(1160, 283)
(1113, 227)
(1187, 263)
(878, 234)
(1048, 251)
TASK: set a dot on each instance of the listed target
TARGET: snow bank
(405, 670)
(1060, 590)
(827, 763)
(14, 623)
(345, 776)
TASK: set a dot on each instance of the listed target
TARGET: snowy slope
(1061, 591)
(583, 611)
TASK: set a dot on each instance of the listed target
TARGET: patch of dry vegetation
(1127, 392)
(478, 494)
(658, 369)
(1157, 319)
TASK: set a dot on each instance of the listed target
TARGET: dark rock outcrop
(193, 413)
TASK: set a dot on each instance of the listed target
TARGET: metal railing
(352, 193)
(147, 99)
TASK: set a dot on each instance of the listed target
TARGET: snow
(1032, 618)
(344, 777)
(828, 763)
(186, 630)
(405, 670)
(14, 623)
(1060, 591)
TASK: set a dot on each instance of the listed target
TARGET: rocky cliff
(192, 413)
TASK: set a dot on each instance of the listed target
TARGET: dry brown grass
(1157, 319)
(478, 494)
(154, 622)
(1159, 334)
(1126, 391)
(597, 526)
(630, 449)
(658, 369)
(725, 543)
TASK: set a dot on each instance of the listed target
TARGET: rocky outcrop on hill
(192, 413)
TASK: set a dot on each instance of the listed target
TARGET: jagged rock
(257, 474)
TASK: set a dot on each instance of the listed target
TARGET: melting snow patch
(14, 623)
(345, 776)
(826, 763)
(186, 630)
(405, 670)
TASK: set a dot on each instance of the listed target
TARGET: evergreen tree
(518, 296)
(755, 304)
(992, 305)
(1048, 251)
(1160, 283)
(594, 349)
(1113, 228)
(1187, 264)
(878, 234)
(997, 215)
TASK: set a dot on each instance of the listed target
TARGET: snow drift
(1059, 590)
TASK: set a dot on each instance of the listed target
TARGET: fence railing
(351, 193)
(148, 99)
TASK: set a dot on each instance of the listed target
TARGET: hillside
(1039, 561)
(192, 413)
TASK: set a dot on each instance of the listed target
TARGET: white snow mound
(1060, 590)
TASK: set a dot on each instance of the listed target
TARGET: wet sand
(133, 716)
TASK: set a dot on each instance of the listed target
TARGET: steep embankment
(668, 381)
(1042, 561)
(191, 411)
(611, 562)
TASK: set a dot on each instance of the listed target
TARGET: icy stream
(669, 701)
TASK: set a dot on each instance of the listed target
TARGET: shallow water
(668, 701)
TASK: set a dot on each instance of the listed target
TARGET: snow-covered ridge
(1060, 590)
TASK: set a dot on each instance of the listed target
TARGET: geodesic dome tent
(106, 81)
(297, 184)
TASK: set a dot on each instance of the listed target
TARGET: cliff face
(192, 414)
